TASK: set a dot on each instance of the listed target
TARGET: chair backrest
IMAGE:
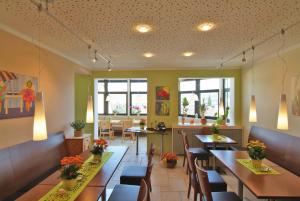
(148, 173)
(204, 185)
(127, 124)
(143, 194)
(185, 139)
(104, 124)
(190, 159)
(151, 153)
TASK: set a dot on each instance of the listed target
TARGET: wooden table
(284, 185)
(99, 182)
(210, 140)
(137, 131)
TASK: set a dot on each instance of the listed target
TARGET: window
(207, 90)
(122, 96)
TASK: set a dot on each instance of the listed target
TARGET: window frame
(137, 92)
(198, 93)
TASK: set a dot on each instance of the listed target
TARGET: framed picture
(162, 93)
(162, 108)
(17, 95)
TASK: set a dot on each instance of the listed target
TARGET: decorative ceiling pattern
(109, 26)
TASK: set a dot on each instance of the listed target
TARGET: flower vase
(170, 163)
(203, 121)
(97, 158)
(69, 184)
(142, 127)
(78, 133)
(257, 164)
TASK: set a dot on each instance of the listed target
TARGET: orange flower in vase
(170, 159)
(28, 95)
(70, 171)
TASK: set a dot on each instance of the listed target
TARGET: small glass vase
(69, 184)
(97, 158)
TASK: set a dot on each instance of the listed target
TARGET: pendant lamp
(252, 112)
(282, 122)
(221, 107)
(39, 123)
(90, 110)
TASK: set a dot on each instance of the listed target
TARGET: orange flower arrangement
(72, 160)
(169, 156)
(101, 142)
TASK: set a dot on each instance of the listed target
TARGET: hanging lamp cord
(284, 67)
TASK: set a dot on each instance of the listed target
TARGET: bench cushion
(216, 182)
(123, 192)
(225, 196)
(28, 163)
(282, 148)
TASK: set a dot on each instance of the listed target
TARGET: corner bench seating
(282, 149)
(22, 166)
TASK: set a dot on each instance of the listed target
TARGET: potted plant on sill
(98, 149)
(142, 123)
(202, 111)
(69, 171)
(221, 120)
(78, 125)
(185, 104)
(257, 152)
(169, 159)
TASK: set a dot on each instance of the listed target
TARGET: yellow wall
(57, 82)
(170, 78)
(268, 76)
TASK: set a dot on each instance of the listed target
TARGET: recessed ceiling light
(188, 54)
(143, 28)
(206, 26)
(148, 54)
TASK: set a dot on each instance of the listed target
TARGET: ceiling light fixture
(252, 109)
(148, 54)
(143, 28)
(94, 60)
(206, 26)
(109, 66)
(188, 54)
(244, 57)
(90, 109)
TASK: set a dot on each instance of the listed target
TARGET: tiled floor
(168, 184)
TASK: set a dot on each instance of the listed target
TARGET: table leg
(162, 144)
(103, 196)
(240, 190)
(214, 158)
(137, 143)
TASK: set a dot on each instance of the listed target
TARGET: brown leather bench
(24, 165)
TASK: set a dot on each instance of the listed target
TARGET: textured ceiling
(109, 25)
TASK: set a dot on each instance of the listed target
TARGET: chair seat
(132, 175)
(218, 147)
(225, 196)
(123, 192)
(106, 130)
(217, 183)
(200, 153)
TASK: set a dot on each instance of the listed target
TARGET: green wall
(157, 78)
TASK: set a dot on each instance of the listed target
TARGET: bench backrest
(24, 165)
(282, 148)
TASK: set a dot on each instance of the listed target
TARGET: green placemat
(248, 164)
(88, 171)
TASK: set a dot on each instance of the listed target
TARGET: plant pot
(203, 121)
(78, 133)
(170, 163)
(142, 127)
(97, 158)
(256, 163)
(69, 184)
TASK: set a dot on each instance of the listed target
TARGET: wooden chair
(215, 180)
(144, 192)
(125, 125)
(198, 152)
(105, 129)
(206, 191)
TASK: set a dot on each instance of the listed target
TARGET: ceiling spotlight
(206, 26)
(244, 57)
(94, 60)
(143, 28)
(188, 54)
(148, 54)
(108, 66)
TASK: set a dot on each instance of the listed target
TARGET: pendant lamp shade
(221, 107)
(282, 122)
(39, 124)
(90, 110)
(252, 112)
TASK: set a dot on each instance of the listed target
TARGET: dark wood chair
(216, 182)
(198, 152)
(144, 192)
(206, 190)
(133, 175)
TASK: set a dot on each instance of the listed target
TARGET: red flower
(102, 142)
(169, 156)
(163, 93)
